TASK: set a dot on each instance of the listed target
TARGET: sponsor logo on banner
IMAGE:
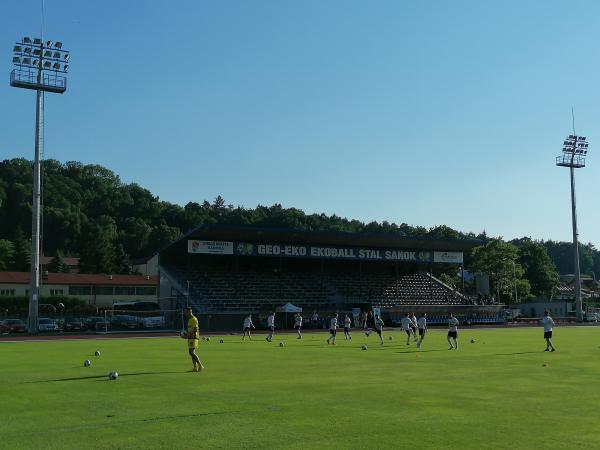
(448, 257)
(210, 247)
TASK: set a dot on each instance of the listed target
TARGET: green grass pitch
(501, 392)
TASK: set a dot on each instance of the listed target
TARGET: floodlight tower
(41, 66)
(575, 149)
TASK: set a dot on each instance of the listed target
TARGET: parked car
(45, 324)
(124, 321)
(14, 326)
(73, 324)
(95, 323)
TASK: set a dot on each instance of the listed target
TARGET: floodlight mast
(575, 149)
(30, 72)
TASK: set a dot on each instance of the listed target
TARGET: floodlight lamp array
(575, 145)
(34, 54)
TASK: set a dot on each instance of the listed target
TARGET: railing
(568, 161)
(28, 79)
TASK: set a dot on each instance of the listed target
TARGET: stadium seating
(251, 288)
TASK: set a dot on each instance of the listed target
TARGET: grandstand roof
(81, 279)
(294, 236)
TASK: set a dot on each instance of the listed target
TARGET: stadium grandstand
(227, 272)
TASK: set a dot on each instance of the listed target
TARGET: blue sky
(427, 113)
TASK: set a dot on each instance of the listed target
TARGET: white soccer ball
(281, 344)
(183, 334)
(207, 339)
(87, 363)
(97, 353)
(364, 347)
(113, 375)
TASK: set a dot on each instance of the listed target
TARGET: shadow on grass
(423, 351)
(91, 377)
(516, 353)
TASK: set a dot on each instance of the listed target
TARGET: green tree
(98, 252)
(499, 259)
(22, 255)
(7, 253)
(539, 268)
(57, 264)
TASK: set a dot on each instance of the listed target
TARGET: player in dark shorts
(347, 322)
(548, 324)
(298, 324)
(369, 322)
(453, 332)
(379, 327)
(333, 330)
(422, 323)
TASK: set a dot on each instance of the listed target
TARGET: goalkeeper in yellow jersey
(193, 336)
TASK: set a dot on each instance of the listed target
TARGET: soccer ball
(364, 347)
(113, 375)
(183, 334)
(207, 339)
(390, 338)
(221, 341)
(97, 353)
(472, 341)
(87, 363)
(281, 344)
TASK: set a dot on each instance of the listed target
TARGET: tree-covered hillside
(90, 213)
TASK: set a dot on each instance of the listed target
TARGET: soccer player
(413, 325)
(422, 324)
(548, 324)
(332, 329)
(405, 324)
(298, 324)
(247, 326)
(369, 324)
(193, 338)
(347, 334)
(379, 327)
(452, 332)
(271, 325)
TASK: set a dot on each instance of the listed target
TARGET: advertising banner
(448, 257)
(210, 247)
(322, 252)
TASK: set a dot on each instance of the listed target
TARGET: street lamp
(574, 150)
(42, 67)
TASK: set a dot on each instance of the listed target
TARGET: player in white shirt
(414, 325)
(548, 324)
(452, 332)
(405, 324)
(379, 327)
(347, 321)
(298, 324)
(248, 325)
(332, 329)
(422, 325)
(271, 326)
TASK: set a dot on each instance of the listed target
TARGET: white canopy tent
(288, 308)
